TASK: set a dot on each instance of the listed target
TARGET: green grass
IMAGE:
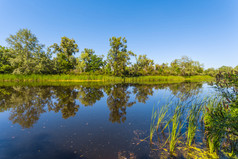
(193, 119)
(174, 134)
(102, 78)
(152, 124)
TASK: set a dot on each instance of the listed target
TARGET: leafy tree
(175, 67)
(5, 65)
(225, 69)
(65, 61)
(144, 65)
(186, 66)
(25, 52)
(236, 68)
(211, 71)
(118, 57)
(88, 61)
(162, 69)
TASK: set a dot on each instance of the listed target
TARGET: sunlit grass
(175, 131)
(193, 119)
(105, 78)
(152, 124)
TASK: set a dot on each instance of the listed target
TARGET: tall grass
(152, 124)
(91, 77)
(162, 114)
(175, 131)
(193, 119)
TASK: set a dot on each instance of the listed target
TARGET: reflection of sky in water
(88, 134)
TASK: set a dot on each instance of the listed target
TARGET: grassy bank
(99, 78)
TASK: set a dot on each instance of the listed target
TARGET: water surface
(83, 121)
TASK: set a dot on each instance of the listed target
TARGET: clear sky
(205, 30)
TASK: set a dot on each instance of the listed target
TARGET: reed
(175, 132)
(162, 112)
(152, 124)
(193, 119)
(92, 77)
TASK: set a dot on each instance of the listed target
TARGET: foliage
(65, 61)
(186, 67)
(221, 115)
(144, 66)
(118, 57)
(27, 55)
(89, 62)
(5, 65)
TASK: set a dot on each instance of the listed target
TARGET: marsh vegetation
(179, 124)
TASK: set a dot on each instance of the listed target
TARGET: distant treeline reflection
(27, 103)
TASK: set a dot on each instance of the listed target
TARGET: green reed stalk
(193, 119)
(152, 124)
(176, 130)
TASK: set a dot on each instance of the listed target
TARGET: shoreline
(100, 78)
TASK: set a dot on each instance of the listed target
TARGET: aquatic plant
(152, 124)
(175, 132)
(193, 119)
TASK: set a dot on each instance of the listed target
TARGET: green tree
(144, 65)
(118, 57)
(25, 52)
(88, 61)
(65, 61)
(186, 66)
(5, 65)
(211, 72)
(175, 67)
(236, 68)
(225, 69)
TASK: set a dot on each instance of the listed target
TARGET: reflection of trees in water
(185, 90)
(27, 103)
(142, 92)
(118, 101)
(89, 95)
(65, 101)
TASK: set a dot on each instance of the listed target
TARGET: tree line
(26, 55)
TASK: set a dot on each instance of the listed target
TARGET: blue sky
(205, 30)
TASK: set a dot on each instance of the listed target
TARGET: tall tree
(144, 65)
(5, 65)
(65, 61)
(187, 67)
(225, 69)
(88, 61)
(118, 57)
(236, 68)
(25, 50)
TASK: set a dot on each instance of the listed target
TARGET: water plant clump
(218, 117)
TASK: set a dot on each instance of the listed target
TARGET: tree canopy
(26, 55)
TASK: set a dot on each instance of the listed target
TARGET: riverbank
(100, 78)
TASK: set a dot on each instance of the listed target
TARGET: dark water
(83, 121)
